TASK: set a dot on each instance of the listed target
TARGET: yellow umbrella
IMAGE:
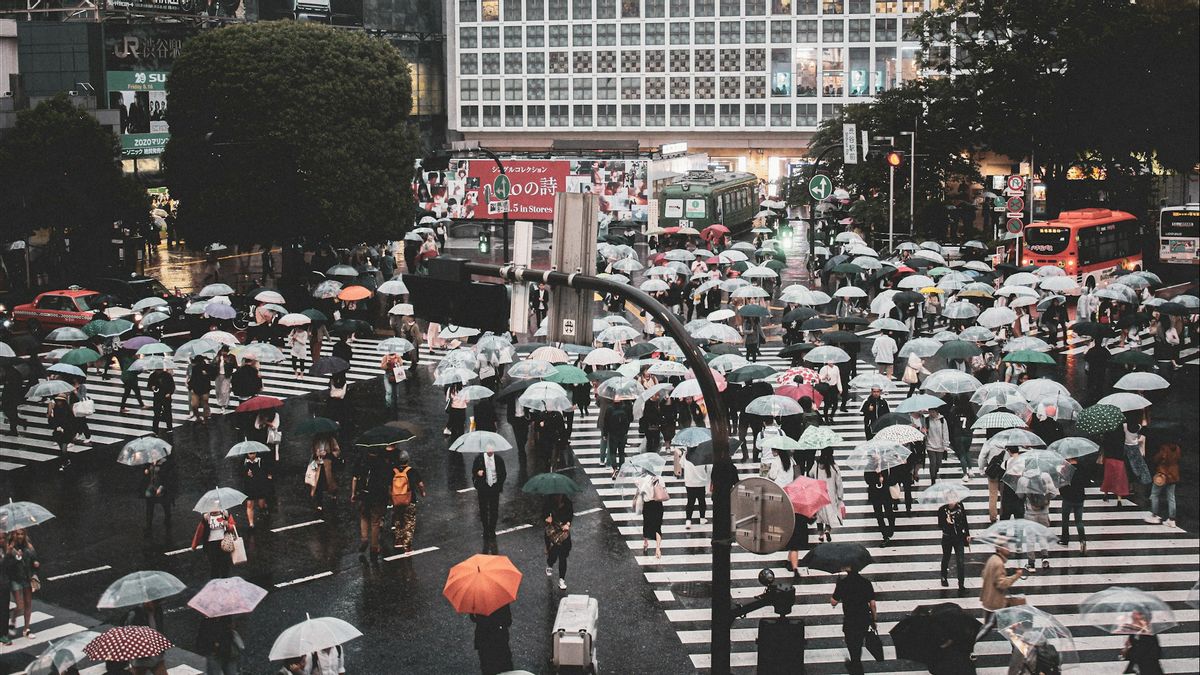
(932, 289)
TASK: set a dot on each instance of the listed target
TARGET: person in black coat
(162, 384)
(878, 494)
(491, 641)
(158, 488)
(1096, 359)
(488, 474)
(343, 350)
(872, 409)
(1073, 496)
(956, 534)
(13, 397)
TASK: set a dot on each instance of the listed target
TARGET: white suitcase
(575, 633)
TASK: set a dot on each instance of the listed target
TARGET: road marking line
(178, 551)
(470, 489)
(79, 573)
(301, 580)
(514, 529)
(297, 525)
(409, 554)
(584, 513)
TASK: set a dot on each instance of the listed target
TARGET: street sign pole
(891, 208)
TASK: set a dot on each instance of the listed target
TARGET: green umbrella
(775, 264)
(1029, 356)
(80, 357)
(551, 484)
(751, 372)
(959, 349)
(107, 328)
(1099, 419)
(754, 310)
(741, 266)
(1133, 357)
(816, 438)
(602, 375)
(315, 315)
(847, 268)
(565, 374)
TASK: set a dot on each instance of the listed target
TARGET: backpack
(995, 467)
(401, 490)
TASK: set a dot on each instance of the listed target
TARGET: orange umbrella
(482, 584)
(353, 293)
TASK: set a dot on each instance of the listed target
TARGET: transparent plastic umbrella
(193, 348)
(462, 357)
(226, 597)
(868, 381)
(454, 376)
(945, 492)
(48, 388)
(1073, 447)
(644, 464)
(877, 455)
(312, 635)
(889, 325)
(139, 587)
(475, 392)
(1041, 387)
(994, 317)
(219, 499)
(61, 655)
(213, 290)
(773, 405)
(827, 354)
(726, 363)
(550, 355)
(960, 310)
(923, 347)
(480, 441)
(816, 438)
(977, 334)
(545, 396)
(260, 352)
(531, 368)
(1058, 406)
(1142, 382)
(247, 448)
(1013, 438)
(601, 357)
(1026, 342)
(668, 369)
(22, 515)
(718, 332)
(620, 389)
(395, 345)
(983, 392)
(1028, 627)
(1126, 401)
(1124, 610)
(1018, 536)
(145, 450)
(919, 403)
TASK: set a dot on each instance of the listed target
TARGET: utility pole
(912, 176)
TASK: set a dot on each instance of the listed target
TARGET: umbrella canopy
(1027, 626)
(480, 441)
(1127, 611)
(868, 381)
(1029, 356)
(66, 369)
(67, 334)
(312, 635)
(957, 349)
(960, 310)
(998, 420)
(328, 365)
(1041, 387)
(125, 643)
(921, 346)
(1099, 419)
(564, 374)
(80, 357)
(384, 435)
(945, 492)
(546, 396)
(601, 357)
(1142, 382)
(817, 438)
(1073, 447)
(899, 433)
(199, 347)
(1018, 536)
(620, 389)
(807, 495)
(646, 463)
(219, 499)
(930, 630)
(550, 484)
(888, 324)
(773, 405)
(213, 290)
(827, 354)
(994, 317)
(247, 448)
(837, 556)
(919, 403)
(61, 655)
(259, 403)
(1126, 401)
(216, 310)
(877, 455)
(482, 584)
(1016, 438)
(316, 425)
(1133, 357)
(139, 587)
(145, 450)
(22, 515)
(550, 355)
(226, 597)
(294, 319)
(531, 368)
(261, 352)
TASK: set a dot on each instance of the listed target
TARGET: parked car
(54, 309)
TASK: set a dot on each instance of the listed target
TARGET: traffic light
(894, 158)
(485, 241)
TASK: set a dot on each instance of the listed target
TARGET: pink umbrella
(224, 597)
(808, 495)
(799, 391)
(721, 383)
(807, 375)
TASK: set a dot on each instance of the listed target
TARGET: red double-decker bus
(1092, 245)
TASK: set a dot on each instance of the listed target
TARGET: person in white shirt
(697, 482)
(651, 492)
(831, 377)
(884, 350)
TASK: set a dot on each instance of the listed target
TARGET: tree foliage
(59, 170)
(282, 129)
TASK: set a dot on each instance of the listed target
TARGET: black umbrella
(515, 387)
(347, 327)
(724, 349)
(835, 261)
(328, 365)
(602, 375)
(907, 298)
(915, 262)
(383, 436)
(839, 337)
(796, 349)
(1092, 328)
(1134, 318)
(837, 556)
(703, 453)
(639, 350)
(799, 314)
(852, 321)
(1174, 309)
(815, 323)
(888, 420)
(749, 373)
(931, 630)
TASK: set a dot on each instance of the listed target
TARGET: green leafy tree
(1093, 83)
(59, 171)
(282, 130)
(942, 119)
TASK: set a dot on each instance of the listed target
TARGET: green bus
(702, 198)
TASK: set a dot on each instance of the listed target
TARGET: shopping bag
(239, 552)
(873, 644)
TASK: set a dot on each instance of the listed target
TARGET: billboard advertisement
(138, 59)
(462, 191)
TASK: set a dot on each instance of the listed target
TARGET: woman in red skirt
(1116, 479)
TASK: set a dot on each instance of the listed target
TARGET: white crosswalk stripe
(1122, 549)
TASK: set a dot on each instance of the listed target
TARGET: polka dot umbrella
(125, 643)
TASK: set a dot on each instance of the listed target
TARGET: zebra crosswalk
(1122, 550)
(34, 444)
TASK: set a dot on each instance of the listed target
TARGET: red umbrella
(257, 403)
(799, 391)
(808, 495)
(671, 230)
(806, 375)
(125, 643)
(904, 269)
(714, 231)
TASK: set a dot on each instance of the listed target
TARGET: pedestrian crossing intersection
(1122, 550)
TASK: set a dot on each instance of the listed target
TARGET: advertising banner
(141, 98)
(465, 189)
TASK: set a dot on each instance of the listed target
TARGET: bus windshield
(1047, 240)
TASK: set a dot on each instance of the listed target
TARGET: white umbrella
(292, 320)
(402, 309)
(978, 266)
(1126, 401)
(760, 272)
(138, 587)
(603, 357)
(451, 332)
(916, 281)
(888, 324)
(392, 287)
(994, 317)
(1027, 342)
(721, 315)
(1142, 382)
(882, 303)
(1040, 388)
(219, 499)
(827, 354)
(654, 285)
(312, 635)
(922, 346)
(752, 293)
(773, 405)
(732, 256)
(213, 290)
(849, 292)
(950, 381)
(718, 332)
(1022, 279)
(1022, 291)
(247, 448)
(960, 309)
(687, 389)
(1059, 284)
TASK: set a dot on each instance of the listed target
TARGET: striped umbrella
(998, 420)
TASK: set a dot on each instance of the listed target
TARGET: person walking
(884, 351)
(60, 416)
(1116, 479)
(1096, 361)
(753, 337)
(697, 482)
(456, 413)
(1073, 493)
(617, 419)
(321, 476)
(539, 303)
(879, 494)
(956, 534)
(406, 482)
(162, 386)
(826, 469)
(199, 382)
(21, 566)
(12, 398)
(914, 372)
(830, 385)
(297, 342)
(219, 643)
(393, 374)
(1162, 490)
(959, 418)
(651, 498)
(410, 330)
(258, 484)
(223, 368)
(856, 595)
(150, 615)
(872, 409)
(1142, 649)
(210, 533)
(937, 442)
(558, 512)
(129, 379)
(370, 489)
(247, 379)
(1134, 441)
(488, 474)
(159, 485)
(491, 641)
(996, 581)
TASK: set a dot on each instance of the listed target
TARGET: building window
(806, 31)
(631, 87)
(705, 115)
(606, 115)
(581, 35)
(656, 115)
(908, 30)
(833, 7)
(535, 90)
(781, 72)
(631, 9)
(781, 31)
(468, 90)
(832, 74)
(606, 88)
(512, 90)
(806, 114)
(781, 7)
(535, 36)
(731, 115)
(559, 89)
(655, 32)
(860, 62)
(860, 30)
(468, 64)
(654, 61)
(756, 7)
(558, 10)
(583, 88)
(606, 34)
(731, 87)
(535, 10)
(731, 32)
(512, 63)
(885, 30)
(560, 115)
(468, 10)
(491, 63)
(806, 6)
(491, 90)
(468, 116)
(731, 7)
(831, 111)
(514, 116)
(806, 72)
(631, 34)
(581, 9)
(756, 32)
(680, 32)
(583, 115)
(491, 12)
(705, 7)
(681, 115)
(913, 6)
(631, 115)
(491, 115)
(656, 87)
(468, 37)
(885, 6)
(512, 37)
(781, 114)
(860, 6)
(679, 8)
(833, 30)
(703, 32)
(606, 9)
(535, 63)
(705, 87)
(583, 62)
(536, 115)
(885, 69)
(908, 64)
(558, 36)
(491, 37)
(756, 114)
(512, 10)
(655, 9)
(681, 87)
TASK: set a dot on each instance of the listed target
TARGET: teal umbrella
(1133, 357)
(551, 484)
(751, 372)
(107, 327)
(316, 425)
(565, 374)
(154, 349)
(754, 311)
(1029, 356)
(315, 315)
(1099, 419)
(957, 349)
(80, 357)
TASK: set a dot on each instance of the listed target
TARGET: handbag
(1160, 479)
(556, 534)
(274, 436)
(35, 583)
(660, 492)
(228, 542)
(312, 474)
(873, 643)
(238, 554)
(895, 492)
(910, 375)
(84, 407)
